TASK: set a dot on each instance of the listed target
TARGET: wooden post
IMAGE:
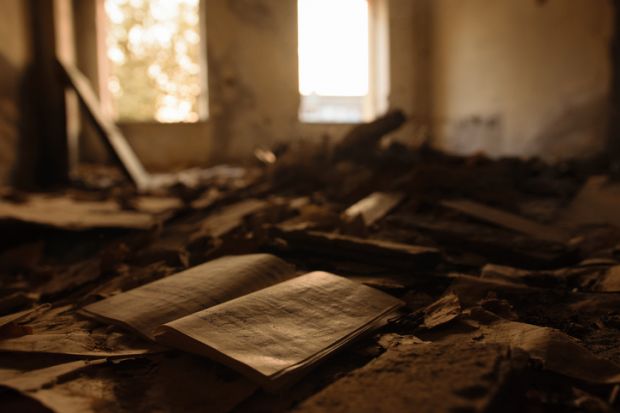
(614, 118)
(52, 166)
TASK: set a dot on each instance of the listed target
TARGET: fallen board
(507, 220)
(109, 132)
(66, 213)
(374, 207)
(391, 254)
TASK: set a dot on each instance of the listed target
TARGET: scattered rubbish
(508, 269)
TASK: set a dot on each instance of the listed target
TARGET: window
(334, 61)
(154, 66)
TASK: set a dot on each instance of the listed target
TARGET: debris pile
(510, 270)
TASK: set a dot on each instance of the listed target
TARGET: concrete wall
(253, 87)
(14, 57)
(253, 90)
(252, 55)
(508, 77)
(521, 77)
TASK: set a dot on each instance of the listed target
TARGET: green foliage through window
(153, 50)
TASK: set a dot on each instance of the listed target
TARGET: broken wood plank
(362, 138)
(66, 213)
(373, 208)
(507, 220)
(387, 253)
(442, 311)
(227, 219)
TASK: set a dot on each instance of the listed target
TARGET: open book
(252, 313)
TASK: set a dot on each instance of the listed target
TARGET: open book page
(284, 327)
(147, 307)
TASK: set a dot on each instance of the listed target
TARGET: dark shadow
(25, 175)
(14, 124)
(613, 142)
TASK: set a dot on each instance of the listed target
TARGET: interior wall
(508, 77)
(14, 58)
(521, 77)
(252, 59)
(253, 86)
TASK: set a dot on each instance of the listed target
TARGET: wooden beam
(110, 134)
(507, 220)
(52, 166)
(66, 51)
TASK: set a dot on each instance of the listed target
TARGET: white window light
(335, 52)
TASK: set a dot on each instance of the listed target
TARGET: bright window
(154, 70)
(333, 60)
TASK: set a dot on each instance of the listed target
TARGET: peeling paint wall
(521, 77)
(253, 87)
(14, 56)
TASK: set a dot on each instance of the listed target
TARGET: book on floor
(253, 313)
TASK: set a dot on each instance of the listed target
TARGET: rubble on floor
(509, 268)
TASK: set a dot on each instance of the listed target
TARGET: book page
(147, 307)
(283, 327)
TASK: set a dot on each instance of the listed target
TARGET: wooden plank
(106, 128)
(364, 137)
(507, 220)
(374, 207)
(66, 213)
(48, 97)
(65, 51)
(597, 203)
(384, 253)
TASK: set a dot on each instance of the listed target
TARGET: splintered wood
(66, 213)
(390, 254)
(374, 207)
